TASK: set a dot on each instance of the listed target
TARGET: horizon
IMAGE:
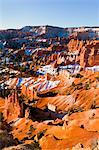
(51, 26)
(15, 14)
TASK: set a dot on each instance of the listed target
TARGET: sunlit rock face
(87, 53)
(83, 53)
(12, 107)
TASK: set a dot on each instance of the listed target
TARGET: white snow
(47, 69)
(94, 68)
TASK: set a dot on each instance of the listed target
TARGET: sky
(62, 13)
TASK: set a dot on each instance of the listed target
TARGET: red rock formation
(85, 53)
(2, 103)
(88, 52)
(12, 107)
(76, 104)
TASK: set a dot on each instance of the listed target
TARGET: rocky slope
(54, 111)
(74, 123)
(83, 53)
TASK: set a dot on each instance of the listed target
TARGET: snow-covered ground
(47, 69)
(47, 85)
(73, 69)
(94, 68)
